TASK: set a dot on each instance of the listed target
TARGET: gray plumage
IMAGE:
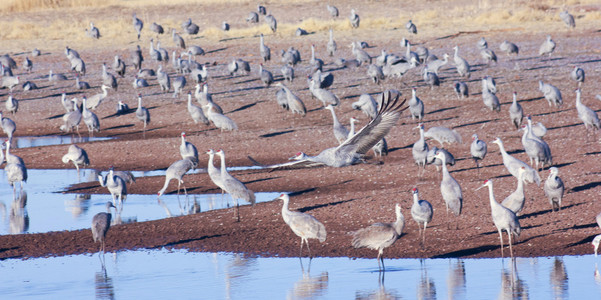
(119, 66)
(367, 105)
(146, 73)
(115, 185)
(264, 50)
(375, 73)
(509, 48)
(266, 76)
(137, 58)
(462, 66)
(176, 171)
(443, 135)
(354, 19)
(55, 77)
(158, 29)
(261, 9)
(178, 85)
(225, 26)
(163, 79)
(299, 31)
(10, 81)
(478, 150)
(432, 160)
(189, 27)
(503, 218)
(380, 236)
(323, 95)
(78, 66)
(513, 165)
(380, 148)
(196, 50)
(81, 85)
(316, 63)
(588, 116)
(196, 112)
(399, 69)
(333, 10)
(178, 40)
(15, 172)
(488, 82)
(272, 22)
(101, 223)
(27, 64)
(435, 65)
(8, 127)
(77, 155)
(489, 99)
(94, 101)
(537, 129)
(122, 108)
(219, 120)
(361, 55)
(420, 149)
(540, 151)
(340, 132)
(303, 225)
(187, 149)
(138, 24)
(142, 112)
(90, 119)
(421, 211)
(8, 61)
(253, 17)
(154, 53)
(568, 19)
(214, 172)
(482, 44)
(516, 113)
(35, 52)
(322, 80)
(450, 188)
(71, 119)
(547, 47)
(293, 103)
(233, 186)
(139, 82)
(411, 28)
(461, 89)
(554, 189)
(28, 86)
(108, 79)
(331, 46)
(577, 75)
(416, 106)
(488, 55)
(515, 201)
(291, 56)
(287, 73)
(238, 67)
(11, 104)
(430, 78)
(93, 32)
(163, 52)
(551, 93)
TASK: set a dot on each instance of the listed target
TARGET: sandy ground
(344, 199)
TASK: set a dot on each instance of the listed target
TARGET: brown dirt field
(344, 199)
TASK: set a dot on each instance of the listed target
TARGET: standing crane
(235, 187)
(8, 126)
(588, 116)
(138, 24)
(420, 150)
(219, 120)
(547, 47)
(534, 149)
(489, 98)
(416, 106)
(323, 95)
(379, 236)
(578, 75)
(294, 103)
(187, 149)
(142, 113)
(96, 99)
(331, 46)
(513, 165)
(551, 93)
(11, 104)
(515, 201)
(367, 105)
(264, 50)
(503, 218)
(340, 132)
(463, 67)
(450, 189)
(214, 172)
(354, 19)
(176, 171)
(101, 222)
(78, 156)
(303, 225)
(89, 118)
(115, 185)
(516, 113)
(461, 89)
(421, 211)
(478, 150)
(554, 189)
(196, 112)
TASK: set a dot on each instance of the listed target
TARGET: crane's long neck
(408, 50)
(491, 197)
(399, 224)
(456, 52)
(223, 169)
(285, 210)
(183, 140)
(502, 148)
(515, 99)
(334, 117)
(262, 42)
(102, 180)
(445, 171)
(167, 179)
(331, 35)
(421, 135)
(578, 103)
(520, 187)
(210, 165)
(189, 100)
(352, 130)
(104, 70)
(415, 198)
(139, 102)
(312, 53)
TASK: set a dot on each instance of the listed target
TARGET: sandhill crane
(331, 46)
(430, 78)
(78, 65)
(8, 127)
(322, 80)
(11, 104)
(93, 32)
(375, 73)
(513, 165)
(567, 18)
(463, 67)
(11, 158)
(266, 76)
(551, 93)
(554, 189)
(432, 160)
(352, 150)
(138, 24)
(411, 28)
(55, 77)
(379, 236)
(537, 129)
(189, 27)
(300, 31)
(509, 48)
(122, 108)
(450, 189)
(443, 135)
(482, 44)
(28, 86)
(70, 53)
(488, 55)
(71, 119)
(35, 52)
(235, 187)
(108, 79)
(154, 53)
(264, 50)
(115, 185)
(119, 66)
(10, 82)
(195, 50)
(399, 69)
(354, 19)
(139, 82)
(137, 58)
(225, 26)
(81, 85)
(95, 100)
(416, 106)
(293, 102)
(178, 85)
(214, 172)
(434, 66)
(515, 201)
(421, 211)
(489, 99)
(196, 112)
(461, 89)
(333, 10)
(291, 56)
(588, 116)
(238, 67)
(503, 218)
(204, 97)
(272, 22)
(187, 149)
(127, 176)
(596, 242)
(27, 64)
(420, 149)
(219, 120)
(478, 150)
(176, 171)
(323, 95)
(367, 105)
(303, 225)
(77, 156)
(142, 113)
(340, 132)
(316, 63)
(101, 222)
(158, 29)
(578, 75)
(361, 55)
(536, 148)
(163, 79)
(287, 73)
(488, 82)
(261, 9)
(89, 118)
(516, 113)
(253, 17)
(547, 47)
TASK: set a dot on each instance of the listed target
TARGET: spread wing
(296, 164)
(390, 109)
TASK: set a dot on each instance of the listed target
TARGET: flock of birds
(384, 112)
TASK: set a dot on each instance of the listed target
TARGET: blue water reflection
(159, 274)
(39, 141)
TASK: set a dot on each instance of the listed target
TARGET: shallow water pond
(38, 141)
(159, 274)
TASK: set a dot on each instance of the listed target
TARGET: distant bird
(537, 129)
(489, 99)
(354, 18)
(554, 189)
(266, 76)
(367, 105)
(340, 132)
(196, 112)
(187, 149)
(516, 113)
(578, 75)
(551, 93)
(94, 101)
(71, 119)
(430, 78)
(10, 81)
(588, 116)
(154, 27)
(108, 79)
(353, 149)
(138, 24)
(461, 89)
(322, 80)
(29, 86)
(416, 106)
(163, 79)
(513, 165)
(176, 171)
(411, 27)
(435, 65)
(509, 48)
(488, 55)
(139, 82)
(450, 189)
(27, 64)
(482, 44)
(154, 53)
(93, 32)
(300, 31)
(421, 211)
(261, 9)
(432, 160)
(238, 67)
(189, 27)
(272, 22)
(503, 218)
(331, 46)
(478, 150)
(235, 187)
(253, 17)
(78, 156)
(293, 103)
(55, 77)
(375, 73)
(361, 55)
(225, 26)
(137, 58)
(287, 73)
(115, 185)
(463, 67)
(214, 172)
(379, 236)
(515, 201)
(178, 85)
(420, 149)
(325, 96)
(119, 66)
(81, 85)
(303, 225)
(142, 113)
(443, 135)
(333, 10)
(316, 63)
(35, 52)
(11, 104)
(264, 50)
(67, 104)
(178, 40)
(122, 108)
(220, 121)
(8, 127)
(547, 47)
(101, 222)
(567, 18)
(89, 118)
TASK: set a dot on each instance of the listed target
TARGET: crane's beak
(480, 187)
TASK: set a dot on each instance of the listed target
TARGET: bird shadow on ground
(185, 241)
(241, 108)
(564, 126)
(441, 110)
(544, 211)
(55, 117)
(497, 232)
(260, 180)
(309, 208)
(592, 153)
(531, 99)
(467, 252)
(474, 168)
(45, 97)
(247, 81)
(216, 50)
(268, 135)
(586, 186)
(120, 126)
(129, 111)
(588, 61)
(583, 241)
(476, 123)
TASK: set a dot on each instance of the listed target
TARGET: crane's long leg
(300, 254)
(424, 234)
(510, 248)
(501, 238)
(307, 242)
